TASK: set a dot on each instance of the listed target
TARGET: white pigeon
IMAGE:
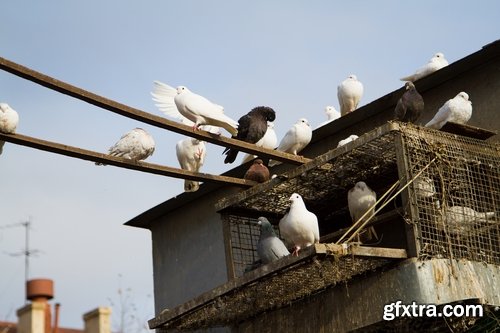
(331, 115)
(269, 141)
(135, 145)
(457, 110)
(350, 138)
(299, 226)
(8, 121)
(437, 62)
(269, 247)
(296, 139)
(360, 199)
(191, 156)
(461, 220)
(181, 103)
(349, 93)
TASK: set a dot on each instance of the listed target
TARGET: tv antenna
(27, 252)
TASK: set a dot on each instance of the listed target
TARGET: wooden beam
(148, 118)
(89, 155)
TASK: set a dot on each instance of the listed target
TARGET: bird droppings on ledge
(276, 285)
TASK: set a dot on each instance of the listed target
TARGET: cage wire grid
(457, 198)
(464, 176)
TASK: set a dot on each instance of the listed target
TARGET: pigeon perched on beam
(269, 141)
(410, 105)
(349, 93)
(195, 108)
(269, 247)
(299, 226)
(435, 63)
(295, 139)
(456, 110)
(8, 121)
(251, 128)
(136, 145)
(191, 154)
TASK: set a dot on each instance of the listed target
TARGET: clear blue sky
(289, 55)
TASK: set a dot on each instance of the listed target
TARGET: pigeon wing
(212, 114)
(441, 117)
(164, 95)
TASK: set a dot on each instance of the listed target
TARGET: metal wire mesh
(456, 200)
(454, 204)
(244, 233)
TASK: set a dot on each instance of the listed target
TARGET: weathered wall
(361, 302)
(188, 253)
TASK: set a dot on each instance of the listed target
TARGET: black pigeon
(251, 128)
(410, 105)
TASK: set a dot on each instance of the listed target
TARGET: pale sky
(289, 55)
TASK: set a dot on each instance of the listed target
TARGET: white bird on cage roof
(8, 121)
(350, 138)
(331, 115)
(457, 110)
(269, 247)
(349, 93)
(135, 145)
(435, 63)
(192, 109)
(191, 154)
(299, 226)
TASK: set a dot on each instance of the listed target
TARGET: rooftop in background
(9, 327)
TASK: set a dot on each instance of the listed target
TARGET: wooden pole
(89, 155)
(145, 117)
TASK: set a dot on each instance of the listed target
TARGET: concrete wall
(188, 252)
(361, 302)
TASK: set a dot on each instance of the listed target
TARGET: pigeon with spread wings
(181, 103)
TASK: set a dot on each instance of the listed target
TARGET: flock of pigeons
(299, 227)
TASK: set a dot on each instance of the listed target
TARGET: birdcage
(448, 205)
(454, 201)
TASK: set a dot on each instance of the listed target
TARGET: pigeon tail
(484, 217)
(409, 78)
(230, 155)
(225, 122)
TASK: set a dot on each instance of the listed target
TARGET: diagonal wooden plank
(148, 118)
(89, 155)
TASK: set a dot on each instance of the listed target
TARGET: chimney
(97, 321)
(35, 317)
